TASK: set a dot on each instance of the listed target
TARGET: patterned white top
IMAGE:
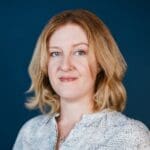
(105, 130)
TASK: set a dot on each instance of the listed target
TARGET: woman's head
(71, 64)
(110, 65)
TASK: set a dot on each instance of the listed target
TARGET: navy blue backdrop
(20, 25)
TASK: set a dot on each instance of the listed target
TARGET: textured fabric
(105, 130)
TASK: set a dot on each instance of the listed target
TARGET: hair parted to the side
(109, 90)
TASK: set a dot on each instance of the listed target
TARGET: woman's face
(72, 67)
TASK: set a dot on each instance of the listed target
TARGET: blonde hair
(109, 90)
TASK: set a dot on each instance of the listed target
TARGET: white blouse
(105, 130)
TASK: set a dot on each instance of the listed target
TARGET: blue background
(20, 25)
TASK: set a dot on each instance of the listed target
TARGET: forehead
(68, 34)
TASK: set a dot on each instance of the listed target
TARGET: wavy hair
(109, 90)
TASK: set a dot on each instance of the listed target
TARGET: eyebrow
(74, 45)
(81, 43)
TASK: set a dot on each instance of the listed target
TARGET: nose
(66, 63)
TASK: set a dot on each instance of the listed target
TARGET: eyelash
(54, 54)
(79, 52)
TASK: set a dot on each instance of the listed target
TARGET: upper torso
(106, 130)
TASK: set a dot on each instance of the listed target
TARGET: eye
(80, 52)
(55, 54)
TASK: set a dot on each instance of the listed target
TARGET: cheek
(51, 70)
(86, 69)
(93, 70)
(93, 65)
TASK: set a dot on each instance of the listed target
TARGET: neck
(72, 111)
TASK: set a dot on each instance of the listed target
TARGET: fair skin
(72, 71)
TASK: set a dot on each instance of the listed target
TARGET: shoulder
(131, 131)
(35, 123)
(32, 127)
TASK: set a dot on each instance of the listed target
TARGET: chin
(69, 95)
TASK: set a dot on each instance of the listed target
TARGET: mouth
(67, 79)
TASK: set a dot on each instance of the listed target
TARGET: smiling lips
(67, 79)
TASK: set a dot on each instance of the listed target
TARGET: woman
(77, 72)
